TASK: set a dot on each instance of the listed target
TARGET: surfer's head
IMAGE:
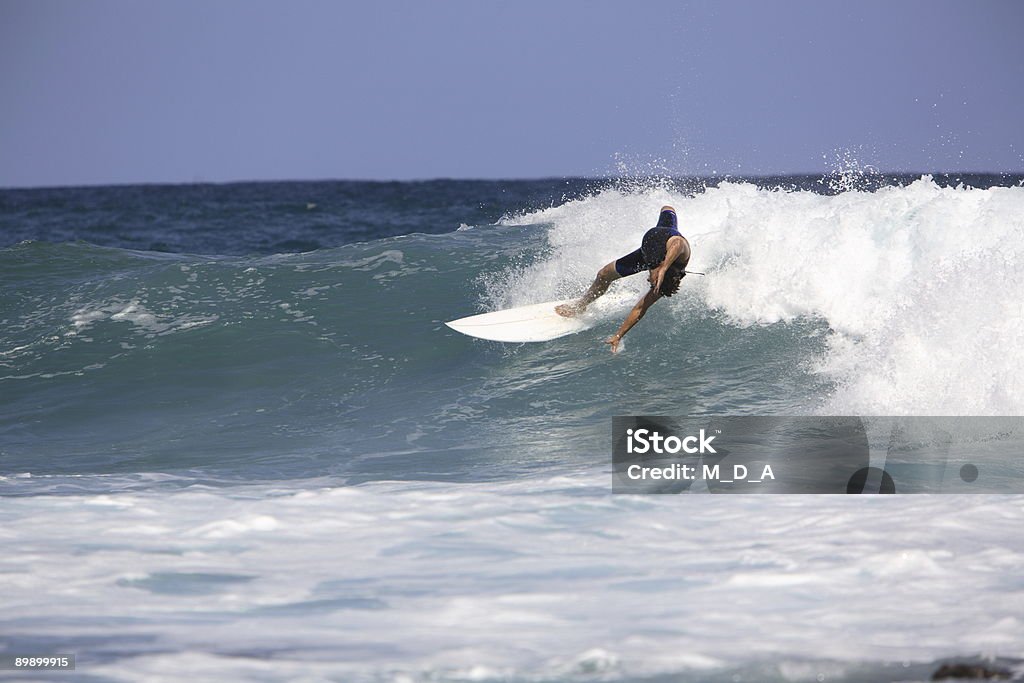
(667, 218)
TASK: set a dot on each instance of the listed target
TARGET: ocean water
(237, 441)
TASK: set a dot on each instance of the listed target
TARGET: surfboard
(533, 323)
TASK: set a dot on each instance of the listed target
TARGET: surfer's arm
(673, 248)
(633, 318)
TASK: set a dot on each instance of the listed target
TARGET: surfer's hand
(613, 341)
(656, 277)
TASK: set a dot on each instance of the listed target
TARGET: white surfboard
(534, 323)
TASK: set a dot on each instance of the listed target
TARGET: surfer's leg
(605, 277)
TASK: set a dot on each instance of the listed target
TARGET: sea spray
(919, 285)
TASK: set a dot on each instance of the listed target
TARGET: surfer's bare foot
(569, 310)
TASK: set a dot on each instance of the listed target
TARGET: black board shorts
(650, 254)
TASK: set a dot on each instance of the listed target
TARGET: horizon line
(498, 179)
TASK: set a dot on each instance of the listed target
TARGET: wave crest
(920, 285)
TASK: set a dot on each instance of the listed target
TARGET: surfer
(664, 252)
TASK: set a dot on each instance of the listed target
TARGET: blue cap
(667, 218)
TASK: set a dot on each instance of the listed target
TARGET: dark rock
(975, 671)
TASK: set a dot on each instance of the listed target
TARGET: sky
(117, 91)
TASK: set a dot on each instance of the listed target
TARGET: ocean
(237, 441)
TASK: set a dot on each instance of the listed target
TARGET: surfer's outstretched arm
(633, 318)
(605, 277)
(673, 249)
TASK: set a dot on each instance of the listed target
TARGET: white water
(922, 286)
(527, 579)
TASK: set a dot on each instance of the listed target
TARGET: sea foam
(921, 286)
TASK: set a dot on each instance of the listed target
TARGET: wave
(901, 300)
(920, 286)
